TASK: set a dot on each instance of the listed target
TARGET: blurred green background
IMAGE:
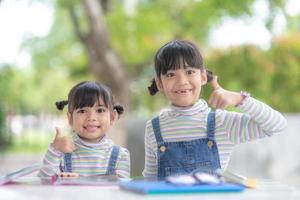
(114, 42)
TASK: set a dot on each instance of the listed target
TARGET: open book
(16, 175)
(21, 176)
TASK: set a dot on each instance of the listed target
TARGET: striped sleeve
(52, 159)
(150, 168)
(123, 164)
(258, 120)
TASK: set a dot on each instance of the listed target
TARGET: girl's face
(91, 123)
(182, 86)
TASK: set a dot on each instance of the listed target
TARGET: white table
(265, 190)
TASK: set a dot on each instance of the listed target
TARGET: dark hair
(172, 56)
(86, 94)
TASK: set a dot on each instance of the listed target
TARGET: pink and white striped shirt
(257, 120)
(89, 159)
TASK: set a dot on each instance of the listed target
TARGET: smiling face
(182, 86)
(91, 123)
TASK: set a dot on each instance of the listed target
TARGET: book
(162, 187)
(95, 180)
(19, 176)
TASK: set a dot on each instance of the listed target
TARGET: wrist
(54, 150)
(244, 95)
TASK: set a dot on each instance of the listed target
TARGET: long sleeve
(150, 168)
(52, 159)
(258, 120)
(123, 164)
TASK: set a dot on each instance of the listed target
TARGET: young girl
(91, 112)
(188, 136)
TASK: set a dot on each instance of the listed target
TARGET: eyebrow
(101, 105)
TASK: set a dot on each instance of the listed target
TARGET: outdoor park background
(49, 46)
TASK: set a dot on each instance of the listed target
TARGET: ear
(113, 117)
(203, 78)
(159, 84)
(70, 119)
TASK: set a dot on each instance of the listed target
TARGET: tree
(120, 46)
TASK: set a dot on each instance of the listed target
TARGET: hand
(63, 144)
(68, 174)
(221, 98)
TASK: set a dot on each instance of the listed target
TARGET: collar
(199, 107)
(101, 143)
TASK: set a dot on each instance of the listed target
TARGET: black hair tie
(153, 88)
(61, 104)
(210, 75)
(119, 109)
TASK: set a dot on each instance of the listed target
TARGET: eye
(170, 74)
(81, 111)
(190, 71)
(101, 110)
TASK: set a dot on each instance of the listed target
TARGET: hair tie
(209, 75)
(119, 109)
(61, 104)
(153, 87)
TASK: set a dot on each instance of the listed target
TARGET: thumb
(58, 132)
(214, 83)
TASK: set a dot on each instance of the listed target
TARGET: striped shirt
(88, 159)
(257, 120)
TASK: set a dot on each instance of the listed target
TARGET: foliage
(59, 60)
(4, 136)
(272, 75)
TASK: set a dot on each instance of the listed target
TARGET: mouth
(91, 128)
(183, 91)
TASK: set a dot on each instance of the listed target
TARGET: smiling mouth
(183, 91)
(91, 128)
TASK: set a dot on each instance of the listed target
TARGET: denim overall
(111, 168)
(184, 157)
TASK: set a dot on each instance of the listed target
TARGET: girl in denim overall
(188, 136)
(91, 112)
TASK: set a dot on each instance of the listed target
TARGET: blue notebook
(161, 187)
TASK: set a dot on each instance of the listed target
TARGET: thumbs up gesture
(221, 98)
(61, 143)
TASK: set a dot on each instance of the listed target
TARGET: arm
(150, 168)
(257, 121)
(61, 144)
(123, 164)
(53, 160)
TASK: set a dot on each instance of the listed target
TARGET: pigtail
(209, 75)
(119, 109)
(61, 104)
(153, 88)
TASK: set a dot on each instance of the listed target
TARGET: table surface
(266, 190)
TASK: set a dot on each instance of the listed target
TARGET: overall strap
(111, 168)
(211, 121)
(67, 162)
(156, 129)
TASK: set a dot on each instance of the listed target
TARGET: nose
(181, 78)
(91, 116)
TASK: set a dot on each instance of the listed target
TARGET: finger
(72, 145)
(223, 105)
(58, 132)
(218, 102)
(214, 83)
(210, 100)
(74, 174)
(213, 100)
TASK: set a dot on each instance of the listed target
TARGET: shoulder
(123, 150)
(124, 154)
